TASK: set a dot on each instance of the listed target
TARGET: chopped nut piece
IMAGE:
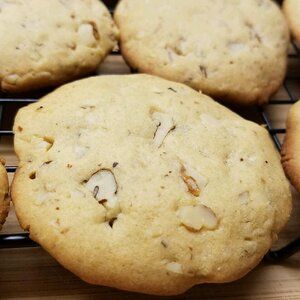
(95, 30)
(12, 79)
(194, 218)
(194, 181)
(244, 197)
(104, 187)
(42, 143)
(86, 34)
(165, 124)
(174, 267)
(190, 183)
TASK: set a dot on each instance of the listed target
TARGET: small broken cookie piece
(165, 124)
(4, 201)
(196, 217)
(291, 147)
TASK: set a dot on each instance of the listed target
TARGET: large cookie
(291, 9)
(140, 183)
(4, 202)
(291, 146)
(230, 49)
(52, 42)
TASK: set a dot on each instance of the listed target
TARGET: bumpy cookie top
(144, 184)
(4, 203)
(230, 49)
(51, 42)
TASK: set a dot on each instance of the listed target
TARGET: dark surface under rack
(9, 105)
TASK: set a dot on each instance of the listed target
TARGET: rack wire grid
(10, 104)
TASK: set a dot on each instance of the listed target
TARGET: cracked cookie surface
(52, 42)
(230, 49)
(140, 183)
(4, 201)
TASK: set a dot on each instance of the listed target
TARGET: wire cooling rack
(9, 106)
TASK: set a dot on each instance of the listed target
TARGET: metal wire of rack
(23, 240)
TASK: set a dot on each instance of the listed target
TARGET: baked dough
(291, 9)
(139, 183)
(291, 146)
(45, 43)
(4, 202)
(233, 50)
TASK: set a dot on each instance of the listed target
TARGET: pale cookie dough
(140, 183)
(291, 9)
(291, 146)
(4, 202)
(233, 50)
(45, 43)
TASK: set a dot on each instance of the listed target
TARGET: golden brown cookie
(232, 50)
(139, 183)
(291, 146)
(45, 43)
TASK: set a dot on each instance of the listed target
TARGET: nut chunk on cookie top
(149, 179)
(52, 42)
(232, 50)
(4, 202)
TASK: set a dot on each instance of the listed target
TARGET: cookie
(291, 146)
(52, 42)
(232, 50)
(139, 183)
(291, 9)
(4, 202)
